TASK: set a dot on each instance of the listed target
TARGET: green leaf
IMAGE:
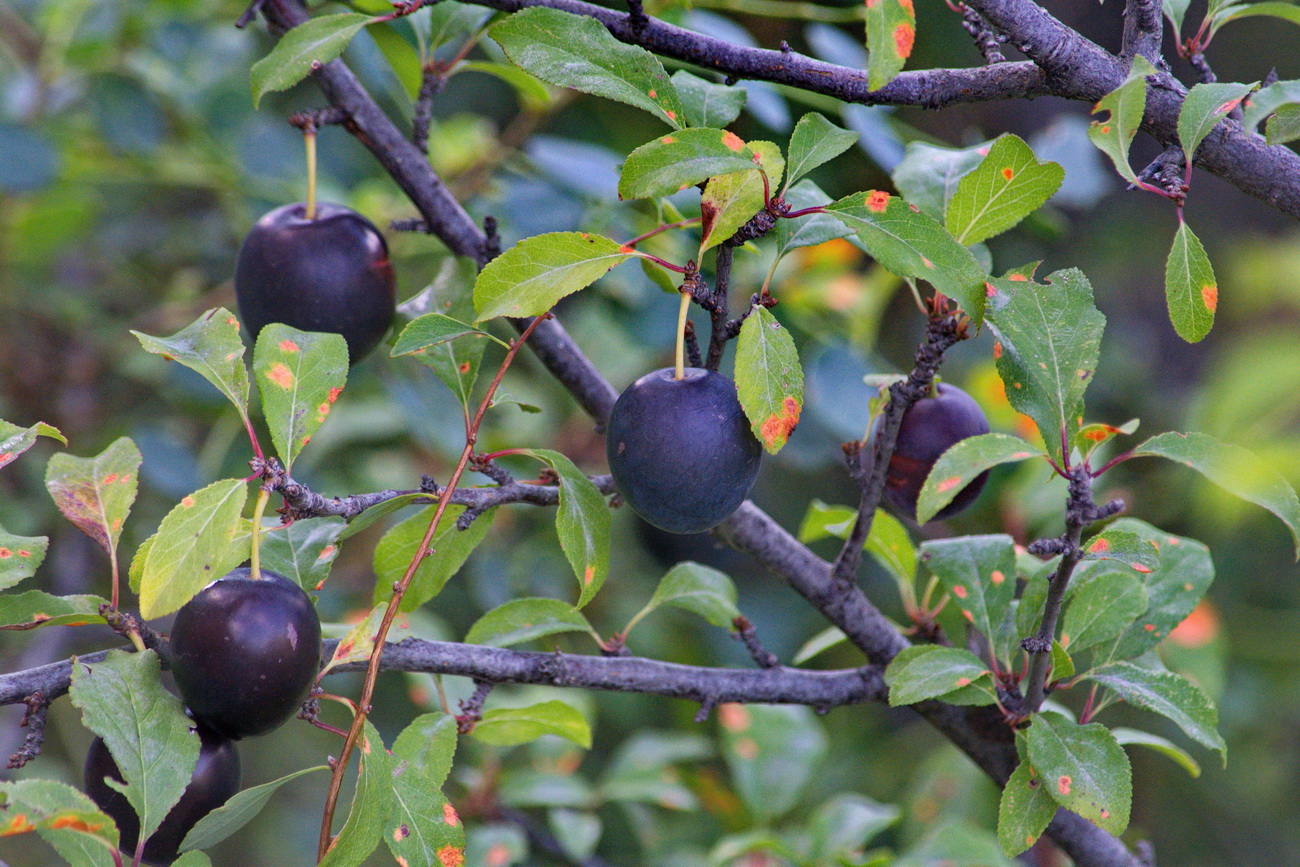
(822, 641)
(122, 700)
(912, 244)
(1009, 185)
(979, 572)
(372, 805)
(304, 551)
(583, 523)
(1284, 126)
(823, 521)
(432, 329)
(1170, 695)
(531, 276)
(1083, 768)
(193, 858)
(237, 812)
(33, 608)
(956, 843)
(707, 103)
(424, 828)
(543, 788)
(815, 141)
(299, 375)
(1123, 547)
(772, 752)
(1234, 12)
(96, 493)
(1048, 339)
(577, 832)
(306, 47)
(1232, 468)
(450, 548)
(843, 824)
(1092, 435)
(455, 362)
(532, 93)
(928, 671)
(200, 540)
(63, 817)
(1203, 107)
(1183, 575)
(577, 51)
(1191, 291)
(1025, 811)
(643, 769)
(682, 159)
(1101, 608)
(359, 642)
(729, 201)
(891, 546)
(1062, 664)
(15, 440)
(769, 380)
(20, 557)
(402, 57)
(891, 30)
(928, 176)
(811, 230)
(958, 467)
(1176, 11)
(698, 589)
(1126, 105)
(1268, 100)
(210, 346)
(505, 727)
(1133, 737)
(521, 620)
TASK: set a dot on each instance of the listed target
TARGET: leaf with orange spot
(965, 565)
(15, 440)
(582, 523)
(1168, 694)
(729, 201)
(237, 812)
(1090, 436)
(1100, 779)
(372, 805)
(671, 163)
(20, 557)
(304, 551)
(64, 817)
(299, 375)
(926, 671)
(96, 493)
(451, 293)
(1203, 108)
(1122, 546)
(1102, 604)
(1025, 811)
(1191, 290)
(769, 380)
(1125, 106)
(210, 346)
(36, 608)
(1006, 187)
(422, 758)
(891, 32)
(195, 545)
(961, 464)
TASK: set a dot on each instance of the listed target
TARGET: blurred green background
(132, 163)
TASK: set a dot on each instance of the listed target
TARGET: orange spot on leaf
(451, 856)
(449, 815)
(1008, 173)
(188, 502)
(997, 349)
(588, 575)
(1100, 546)
(733, 141)
(904, 36)
(990, 290)
(5, 553)
(960, 592)
(1019, 278)
(281, 375)
(18, 825)
(1210, 295)
(653, 93)
(877, 201)
(997, 577)
(672, 115)
(778, 426)
(110, 478)
(963, 681)
(289, 346)
(734, 717)
(1063, 784)
(948, 484)
(907, 7)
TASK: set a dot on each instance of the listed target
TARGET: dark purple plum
(215, 780)
(930, 427)
(245, 652)
(328, 274)
(681, 451)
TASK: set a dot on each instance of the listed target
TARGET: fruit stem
(309, 136)
(680, 372)
(255, 559)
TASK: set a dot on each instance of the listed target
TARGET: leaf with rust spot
(96, 493)
(769, 380)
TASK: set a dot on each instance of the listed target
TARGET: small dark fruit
(328, 274)
(245, 652)
(215, 780)
(930, 427)
(681, 450)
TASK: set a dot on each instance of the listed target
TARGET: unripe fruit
(930, 427)
(681, 451)
(328, 274)
(245, 652)
(215, 781)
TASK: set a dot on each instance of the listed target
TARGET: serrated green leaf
(424, 829)
(1232, 468)
(299, 376)
(1048, 340)
(359, 642)
(912, 244)
(891, 31)
(1101, 608)
(1268, 100)
(63, 817)
(122, 700)
(505, 727)
(1191, 291)
(521, 620)
(1090, 436)
(815, 141)
(1203, 107)
(979, 572)
(891, 546)
(15, 440)
(1083, 768)
(530, 277)
(1133, 737)
(1168, 694)
(1284, 126)
(210, 346)
(372, 805)
(532, 92)
(306, 47)
(96, 493)
(810, 230)
(304, 551)
(1006, 187)
(1126, 105)
(729, 201)
(698, 589)
(682, 159)
(33, 608)
(769, 380)
(707, 103)
(20, 557)
(928, 176)
(1183, 575)
(430, 330)
(450, 549)
(201, 539)
(958, 467)
(1025, 811)
(1236, 11)
(455, 362)
(583, 523)
(577, 51)
(1062, 663)
(928, 671)
(772, 752)
(242, 807)
(1123, 547)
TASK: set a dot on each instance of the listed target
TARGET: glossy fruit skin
(328, 274)
(245, 652)
(930, 427)
(215, 780)
(681, 451)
